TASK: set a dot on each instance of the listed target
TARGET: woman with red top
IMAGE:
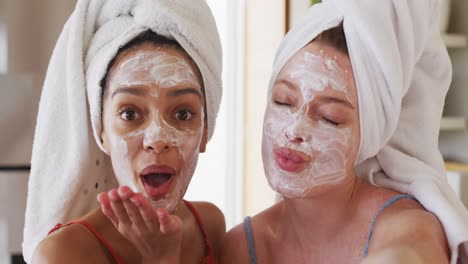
(156, 100)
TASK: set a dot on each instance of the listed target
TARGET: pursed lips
(290, 160)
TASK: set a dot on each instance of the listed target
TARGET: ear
(104, 141)
(204, 139)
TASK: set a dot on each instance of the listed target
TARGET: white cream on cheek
(186, 143)
(163, 70)
(325, 144)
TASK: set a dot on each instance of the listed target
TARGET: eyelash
(128, 109)
(282, 103)
(330, 121)
(190, 113)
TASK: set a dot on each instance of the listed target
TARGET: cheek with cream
(159, 70)
(326, 146)
(126, 150)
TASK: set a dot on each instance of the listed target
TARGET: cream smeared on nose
(325, 144)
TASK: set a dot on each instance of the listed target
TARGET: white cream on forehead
(157, 67)
(315, 73)
(325, 144)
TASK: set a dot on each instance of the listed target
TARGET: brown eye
(183, 115)
(128, 115)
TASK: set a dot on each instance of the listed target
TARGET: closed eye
(329, 121)
(281, 103)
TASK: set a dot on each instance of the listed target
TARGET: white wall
(218, 177)
(265, 23)
(297, 10)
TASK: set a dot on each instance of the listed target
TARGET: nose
(156, 139)
(300, 131)
(157, 146)
(294, 138)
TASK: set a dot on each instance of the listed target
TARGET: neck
(326, 215)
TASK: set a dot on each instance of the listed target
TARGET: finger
(106, 208)
(103, 199)
(169, 224)
(135, 216)
(125, 192)
(146, 211)
(119, 209)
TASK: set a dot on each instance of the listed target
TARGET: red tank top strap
(209, 252)
(116, 257)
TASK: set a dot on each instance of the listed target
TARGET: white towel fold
(402, 73)
(68, 167)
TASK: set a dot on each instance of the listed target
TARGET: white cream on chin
(326, 145)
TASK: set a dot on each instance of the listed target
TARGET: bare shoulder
(68, 244)
(234, 248)
(209, 211)
(406, 222)
(211, 215)
(213, 221)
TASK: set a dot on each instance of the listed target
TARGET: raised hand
(155, 233)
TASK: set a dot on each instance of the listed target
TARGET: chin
(298, 190)
(170, 203)
(292, 193)
(286, 188)
(171, 200)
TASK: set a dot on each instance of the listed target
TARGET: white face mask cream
(157, 67)
(172, 145)
(301, 151)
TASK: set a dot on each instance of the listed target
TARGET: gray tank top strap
(250, 240)
(387, 204)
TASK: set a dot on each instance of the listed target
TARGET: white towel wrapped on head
(68, 167)
(402, 73)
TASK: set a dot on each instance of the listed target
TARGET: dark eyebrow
(344, 102)
(129, 90)
(183, 91)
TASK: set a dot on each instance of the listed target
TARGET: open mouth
(157, 180)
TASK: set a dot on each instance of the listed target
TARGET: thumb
(169, 224)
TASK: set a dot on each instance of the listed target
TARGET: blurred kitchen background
(230, 174)
(28, 31)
